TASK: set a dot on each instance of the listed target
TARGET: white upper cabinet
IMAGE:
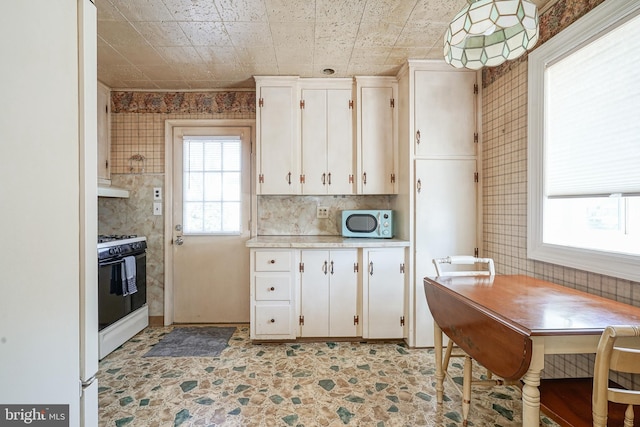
(376, 135)
(307, 142)
(277, 154)
(326, 120)
(104, 133)
(445, 115)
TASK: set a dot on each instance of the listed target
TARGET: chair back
(471, 263)
(620, 355)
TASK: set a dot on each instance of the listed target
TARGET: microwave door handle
(378, 223)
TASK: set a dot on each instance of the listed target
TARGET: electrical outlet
(157, 208)
(322, 212)
(157, 193)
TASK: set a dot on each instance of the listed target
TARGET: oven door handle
(108, 263)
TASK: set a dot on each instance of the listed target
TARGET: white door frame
(169, 126)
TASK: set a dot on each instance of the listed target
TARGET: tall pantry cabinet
(437, 203)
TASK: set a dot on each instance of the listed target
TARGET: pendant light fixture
(490, 32)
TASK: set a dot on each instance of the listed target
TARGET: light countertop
(323, 242)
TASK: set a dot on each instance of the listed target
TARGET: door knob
(178, 241)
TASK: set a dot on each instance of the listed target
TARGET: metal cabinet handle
(289, 178)
(329, 178)
(272, 261)
(324, 267)
(331, 267)
(418, 137)
(419, 186)
(272, 288)
(371, 268)
(324, 175)
(364, 178)
(272, 321)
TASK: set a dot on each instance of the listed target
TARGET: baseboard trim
(156, 321)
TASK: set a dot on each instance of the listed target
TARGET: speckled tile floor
(292, 384)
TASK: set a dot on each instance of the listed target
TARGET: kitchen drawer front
(273, 320)
(273, 260)
(271, 287)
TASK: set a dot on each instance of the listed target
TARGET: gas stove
(120, 245)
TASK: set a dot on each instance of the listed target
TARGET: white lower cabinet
(329, 293)
(272, 294)
(383, 308)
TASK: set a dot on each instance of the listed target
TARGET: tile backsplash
(296, 215)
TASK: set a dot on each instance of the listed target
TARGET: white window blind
(592, 117)
(211, 185)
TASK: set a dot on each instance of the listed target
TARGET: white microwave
(368, 223)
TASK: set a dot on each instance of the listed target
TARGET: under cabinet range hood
(108, 190)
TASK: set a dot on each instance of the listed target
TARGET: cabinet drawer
(273, 320)
(273, 260)
(273, 287)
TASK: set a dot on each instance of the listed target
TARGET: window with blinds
(584, 144)
(211, 185)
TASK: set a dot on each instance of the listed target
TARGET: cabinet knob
(272, 261)
(272, 288)
(272, 321)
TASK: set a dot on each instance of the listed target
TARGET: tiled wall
(504, 156)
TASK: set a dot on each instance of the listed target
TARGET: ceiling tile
(200, 44)
(164, 72)
(420, 35)
(163, 33)
(339, 10)
(108, 56)
(179, 55)
(249, 34)
(436, 11)
(143, 10)
(218, 54)
(107, 11)
(377, 34)
(288, 11)
(190, 10)
(242, 10)
(141, 55)
(396, 11)
(296, 35)
(120, 33)
(206, 33)
(257, 55)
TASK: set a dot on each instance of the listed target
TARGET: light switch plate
(157, 208)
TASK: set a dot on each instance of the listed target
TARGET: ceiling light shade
(490, 32)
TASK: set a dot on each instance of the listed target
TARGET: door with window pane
(211, 211)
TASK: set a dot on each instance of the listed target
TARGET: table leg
(531, 398)
(439, 372)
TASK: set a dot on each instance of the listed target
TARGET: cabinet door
(343, 293)
(376, 137)
(314, 141)
(383, 311)
(314, 295)
(340, 142)
(104, 132)
(445, 224)
(445, 114)
(277, 140)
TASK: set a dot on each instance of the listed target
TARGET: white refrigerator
(48, 210)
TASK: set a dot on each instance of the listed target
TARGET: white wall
(39, 204)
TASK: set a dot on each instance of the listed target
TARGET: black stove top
(120, 245)
(103, 238)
